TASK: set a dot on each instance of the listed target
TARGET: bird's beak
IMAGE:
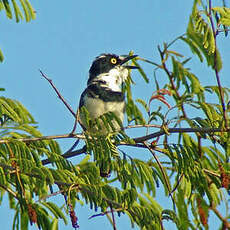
(126, 59)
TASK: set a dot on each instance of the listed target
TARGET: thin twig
(224, 220)
(171, 79)
(67, 155)
(9, 191)
(113, 218)
(142, 126)
(162, 171)
(223, 30)
(177, 184)
(106, 212)
(50, 195)
(215, 67)
(178, 130)
(212, 173)
(58, 94)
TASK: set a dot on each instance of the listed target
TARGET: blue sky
(63, 41)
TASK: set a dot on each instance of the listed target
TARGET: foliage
(192, 165)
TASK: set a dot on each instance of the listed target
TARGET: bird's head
(110, 68)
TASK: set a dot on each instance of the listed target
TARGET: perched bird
(103, 93)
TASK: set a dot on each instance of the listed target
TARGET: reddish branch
(171, 79)
(58, 93)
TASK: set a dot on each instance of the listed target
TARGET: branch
(162, 171)
(215, 67)
(58, 94)
(171, 79)
(178, 130)
(52, 137)
(106, 212)
(113, 218)
(212, 173)
(224, 220)
(137, 139)
(9, 191)
(67, 155)
(177, 184)
(143, 126)
(52, 194)
(143, 139)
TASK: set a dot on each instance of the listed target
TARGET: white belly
(96, 108)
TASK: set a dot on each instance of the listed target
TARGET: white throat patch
(114, 78)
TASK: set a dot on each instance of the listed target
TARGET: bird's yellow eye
(113, 61)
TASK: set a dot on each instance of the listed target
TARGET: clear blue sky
(63, 41)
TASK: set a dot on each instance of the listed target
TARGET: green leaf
(17, 11)
(16, 219)
(54, 224)
(31, 10)
(26, 12)
(55, 210)
(24, 220)
(1, 56)
(15, 111)
(182, 210)
(224, 15)
(143, 103)
(201, 37)
(141, 71)
(169, 214)
(43, 218)
(2, 177)
(7, 8)
(27, 9)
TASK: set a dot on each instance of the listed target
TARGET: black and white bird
(103, 93)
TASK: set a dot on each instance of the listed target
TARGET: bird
(103, 93)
